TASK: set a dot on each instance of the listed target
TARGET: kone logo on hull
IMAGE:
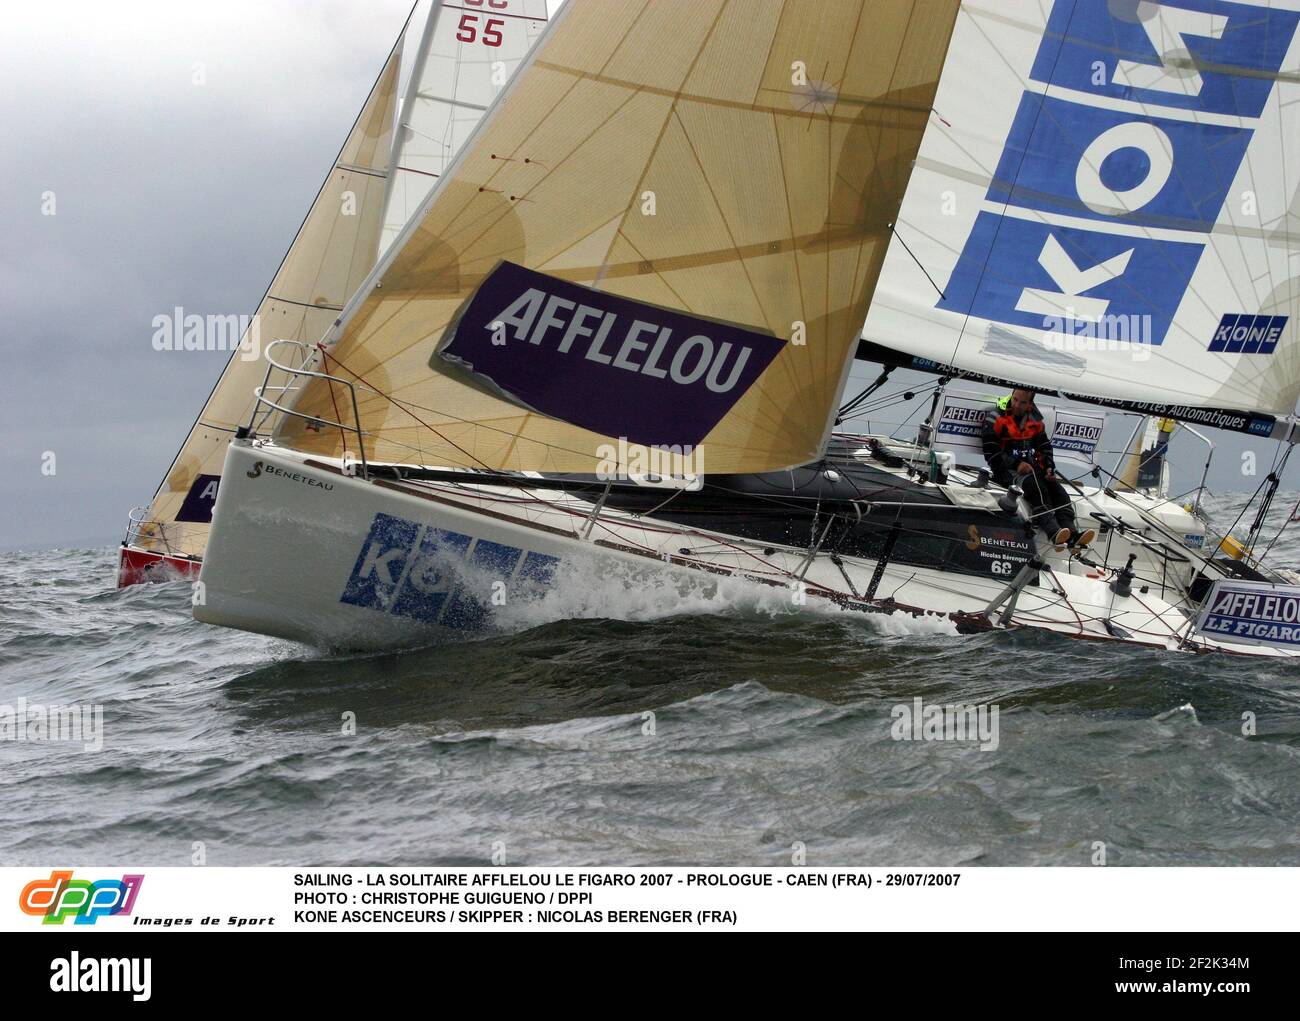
(1090, 161)
(439, 576)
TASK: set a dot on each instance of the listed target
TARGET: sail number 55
(468, 29)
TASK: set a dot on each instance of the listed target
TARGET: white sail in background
(332, 253)
(1104, 206)
(469, 51)
(665, 232)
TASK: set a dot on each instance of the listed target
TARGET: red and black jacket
(1009, 441)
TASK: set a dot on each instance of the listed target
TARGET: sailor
(1018, 450)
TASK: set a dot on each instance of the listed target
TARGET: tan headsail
(736, 160)
(334, 250)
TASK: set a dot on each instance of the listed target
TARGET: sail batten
(676, 215)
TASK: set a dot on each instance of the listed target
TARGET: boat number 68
(1003, 567)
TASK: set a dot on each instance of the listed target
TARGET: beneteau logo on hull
(260, 467)
(1108, 167)
(609, 364)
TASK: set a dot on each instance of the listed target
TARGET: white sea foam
(618, 591)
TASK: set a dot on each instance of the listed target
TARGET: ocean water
(725, 733)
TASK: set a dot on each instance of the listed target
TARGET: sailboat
(382, 173)
(612, 343)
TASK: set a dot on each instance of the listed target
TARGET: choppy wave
(615, 723)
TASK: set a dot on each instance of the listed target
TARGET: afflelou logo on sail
(1082, 151)
(657, 376)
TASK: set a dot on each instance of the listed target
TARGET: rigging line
(1059, 590)
(1275, 480)
(867, 391)
(330, 358)
(1210, 559)
(919, 405)
(907, 393)
(889, 400)
(343, 439)
(870, 411)
(1285, 521)
(894, 230)
(659, 506)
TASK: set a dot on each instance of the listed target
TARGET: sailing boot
(1081, 540)
(1059, 538)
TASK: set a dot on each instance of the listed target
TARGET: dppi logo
(61, 897)
(1095, 158)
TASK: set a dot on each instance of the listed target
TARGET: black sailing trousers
(1049, 501)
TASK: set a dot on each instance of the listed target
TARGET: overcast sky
(166, 193)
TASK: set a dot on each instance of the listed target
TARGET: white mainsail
(469, 51)
(1104, 206)
(333, 251)
(666, 232)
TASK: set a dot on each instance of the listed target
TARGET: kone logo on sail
(1084, 151)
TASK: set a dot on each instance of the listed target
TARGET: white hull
(302, 551)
